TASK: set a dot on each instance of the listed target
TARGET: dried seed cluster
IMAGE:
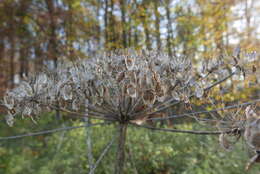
(113, 86)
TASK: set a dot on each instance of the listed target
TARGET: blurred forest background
(34, 34)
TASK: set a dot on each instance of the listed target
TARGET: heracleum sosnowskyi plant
(124, 87)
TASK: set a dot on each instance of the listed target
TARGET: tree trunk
(98, 26)
(39, 57)
(147, 35)
(248, 17)
(53, 46)
(68, 25)
(120, 156)
(157, 26)
(129, 44)
(136, 40)
(113, 40)
(169, 28)
(106, 23)
(123, 21)
(12, 55)
(22, 61)
(3, 68)
(53, 42)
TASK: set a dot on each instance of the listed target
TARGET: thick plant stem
(120, 156)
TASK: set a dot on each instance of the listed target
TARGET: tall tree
(123, 21)
(157, 25)
(53, 41)
(144, 15)
(169, 27)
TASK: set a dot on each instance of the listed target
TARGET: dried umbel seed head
(254, 159)
(131, 90)
(113, 83)
(130, 63)
(149, 97)
(224, 142)
(131, 76)
(252, 129)
(250, 114)
(9, 101)
(252, 134)
(159, 90)
(120, 76)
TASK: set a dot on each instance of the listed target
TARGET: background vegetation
(151, 152)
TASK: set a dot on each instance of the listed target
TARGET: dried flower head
(113, 84)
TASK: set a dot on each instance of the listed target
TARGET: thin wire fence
(149, 127)
(50, 131)
(204, 112)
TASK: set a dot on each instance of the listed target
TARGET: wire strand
(50, 131)
(183, 131)
(102, 155)
(203, 112)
